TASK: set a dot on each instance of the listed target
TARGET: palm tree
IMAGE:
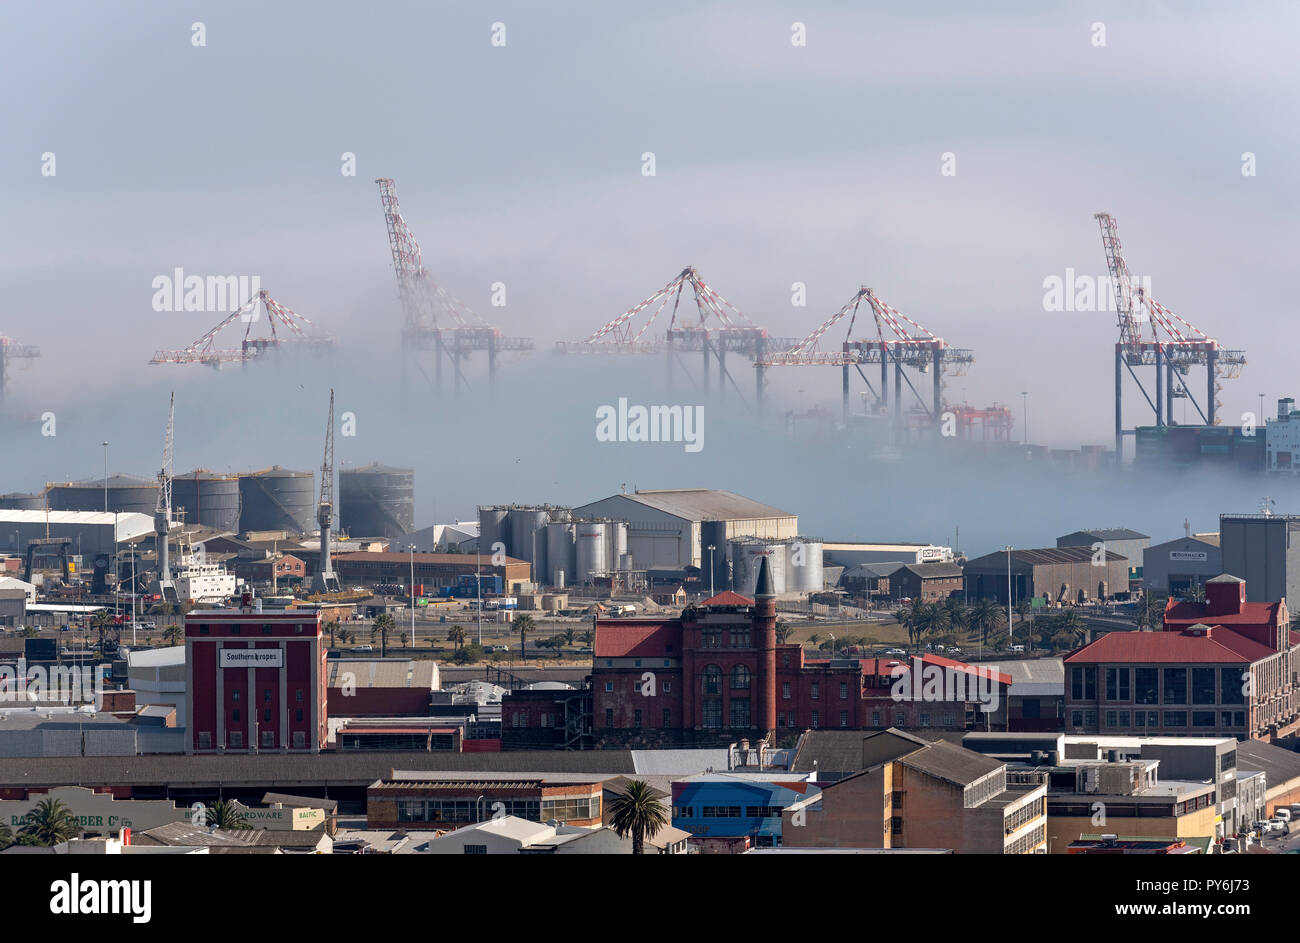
(637, 812)
(958, 613)
(6, 836)
(223, 814)
(456, 635)
(984, 619)
(174, 634)
(570, 634)
(523, 624)
(587, 637)
(1073, 626)
(384, 623)
(783, 631)
(49, 824)
(1023, 607)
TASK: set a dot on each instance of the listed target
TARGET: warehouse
(1057, 574)
(1129, 544)
(432, 570)
(1263, 550)
(1172, 567)
(90, 531)
(929, 582)
(851, 554)
(670, 528)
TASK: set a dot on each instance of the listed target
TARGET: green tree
(456, 635)
(958, 614)
(6, 836)
(570, 634)
(523, 624)
(49, 824)
(1023, 607)
(984, 619)
(227, 815)
(174, 634)
(783, 631)
(383, 625)
(587, 637)
(638, 813)
(1073, 626)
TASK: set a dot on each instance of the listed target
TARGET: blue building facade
(723, 805)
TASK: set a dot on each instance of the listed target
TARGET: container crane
(298, 332)
(10, 349)
(432, 318)
(719, 328)
(898, 339)
(326, 580)
(163, 511)
(1173, 347)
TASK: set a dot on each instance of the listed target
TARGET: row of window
(238, 629)
(1121, 719)
(1162, 685)
(236, 739)
(728, 812)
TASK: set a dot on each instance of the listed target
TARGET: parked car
(363, 648)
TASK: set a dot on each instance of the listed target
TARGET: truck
(501, 602)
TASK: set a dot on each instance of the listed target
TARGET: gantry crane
(261, 308)
(326, 580)
(432, 318)
(1173, 347)
(10, 349)
(720, 327)
(898, 339)
(163, 511)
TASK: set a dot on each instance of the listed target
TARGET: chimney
(764, 628)
(1187, 527)
(1225, 595)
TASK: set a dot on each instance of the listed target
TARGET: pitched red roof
(1222, 645)
(728, 598)
(639, 638)
(1184, 613)
(881, 667)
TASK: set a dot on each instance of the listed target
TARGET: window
(268, 738)
(638, 663)
(1225, 719)
(816, 718)
(875, 718)
(711, 639)
(844, 718)
(668, 718)
(1153, 719)
(794, 718)
(1112, 718)
(1139, 718)
(1238, 718)
(1076, 718)
(266, 695)
(234, 695)
(740, 638)
(636, 718)
(1203, 686)
(205, 736)
(236, 738)
(203, 630)
(476, 849)
(1083, 683)
(266, 716)
(711, 680)
(298, 696)
(900, 719)
(609, 717)
(235, 630)
(609, 686)
(1175, 686)
(844, 690)
(780, 720)
(1175, 718)
(297, 715)
(785, 691)
(740, 678)
(950, 720)
(816, 691)
(740, 712)
(668, 687)
(299, 739)
(713, 713)
(1117, 684)
(234, 714)
(266, 630)
(1146, 685)
(924, 719)
(1233, 682)
(666, 665)
(1203, 718)
(1124, 718)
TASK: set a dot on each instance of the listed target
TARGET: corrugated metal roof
(954, 764)
(382, 673)
(702, 504)
(1108, 533)
(1222, 646)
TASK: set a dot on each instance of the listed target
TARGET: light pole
(1010, 628)
(478, 588)
(105, 444)
(412, 546)
(1261, 410)
(711, 549)
(1024, 401)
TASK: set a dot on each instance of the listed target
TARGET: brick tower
(765, 642)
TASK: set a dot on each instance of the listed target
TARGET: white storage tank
(745, 558)
(559, 552)
(803, 566)
(618, 544)
(591, 545)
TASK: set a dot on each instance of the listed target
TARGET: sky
(522, 164)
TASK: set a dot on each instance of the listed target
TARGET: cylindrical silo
(559, 552)
(525, 542)
(591, 539)
(377, 501)
(714, 534)
(276, 498)
(493, 528)
(126, 494)
(745, 558)
(23, 502)
(617, 544)
(803, 566)
(208, 498)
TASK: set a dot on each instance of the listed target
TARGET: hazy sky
(522, 164)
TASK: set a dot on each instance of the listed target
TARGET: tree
(227, 815)
(384, 623)
(783, 631)
(984, 619)
(1072, 626)
(587, 637)
(49, 824)
(523, 624)
(174, 634)
(814, 638)
(637, 812)
(958, 613)
(1149, 612)
(1023, 607)
(6, 836)
(570, 634)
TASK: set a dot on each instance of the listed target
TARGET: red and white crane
(260, 309)
(10, 349)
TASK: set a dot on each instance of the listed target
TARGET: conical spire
(764, 586)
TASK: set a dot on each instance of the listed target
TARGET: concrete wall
(1263, 551)
(1158, 566)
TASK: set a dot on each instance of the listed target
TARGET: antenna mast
(326, 580)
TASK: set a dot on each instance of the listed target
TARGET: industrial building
(90, 532)
(377, 500)
(1054, 574)
(380, 687)
(432, 570)
(122, 493)
(277, 499)
(668, 528)
(1173, 567)
(1264, 550)
(456, 537)
(1129, 544)
(929, 582)
(207, 498)
(1282, 440)
(851, 554)
(1183, 447)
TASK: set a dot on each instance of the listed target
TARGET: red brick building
(716, 674)
(255, 681)
(1222, 667)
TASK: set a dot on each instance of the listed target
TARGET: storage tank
(559, 552)
(525, 542)
(803, 566)
(591, 548)
(276, 498)
(377, 501)
(714, 534)
(26, 502)
(493, 527)
(617, 544)
(126, 494)
(745, 557)
(208, 498)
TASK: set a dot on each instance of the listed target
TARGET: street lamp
(1024, 401)
(1010, 628)
(711, 549)
(412, 546)
(105, 444)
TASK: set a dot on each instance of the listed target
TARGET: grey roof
(1031, 671)
(300, 802)
(702, 504)
(1225, 578)
(286, 770)
(873, 569)
(677, 762)
(951, 763)
(1279, 765)
(931, 571)
(185, 833)
(1109, 533)
(382, 672)
(843, 751)
(1039, 556)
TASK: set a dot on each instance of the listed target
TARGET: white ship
(200, 581)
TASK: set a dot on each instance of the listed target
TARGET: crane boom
(163, 509)
(326, 580)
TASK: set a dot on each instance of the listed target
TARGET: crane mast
(163, 510)
(326, 580)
